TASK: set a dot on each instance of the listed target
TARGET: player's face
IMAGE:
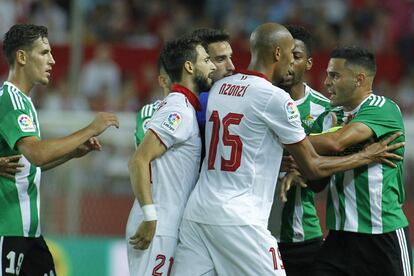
(286, 60)
(301, 64)
(204, 69)
(340, 82)
(220, 54)
(39, 61)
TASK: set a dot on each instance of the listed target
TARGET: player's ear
(189, 67)
(276, 53)
(21, 57)
(309, 64)
(360, 78)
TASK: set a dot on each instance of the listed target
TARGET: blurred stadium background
(106, 53)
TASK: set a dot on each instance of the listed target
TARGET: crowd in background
(386, 26)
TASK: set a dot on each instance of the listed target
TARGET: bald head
(271, 47)
(267, 37)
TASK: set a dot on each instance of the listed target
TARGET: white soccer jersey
(247, 121)
(175, 173)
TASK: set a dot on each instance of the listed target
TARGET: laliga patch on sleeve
(292, 111)
(172, 122)
(25, 123)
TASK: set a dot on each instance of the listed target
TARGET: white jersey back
(175, 173)
(247, 121)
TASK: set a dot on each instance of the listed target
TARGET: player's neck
(190, 85)
(261, 68)
(357, 101)
(297, 91)
(20, 81)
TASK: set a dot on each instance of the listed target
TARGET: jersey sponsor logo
(172, 122)
(292, 111)
(25, 123)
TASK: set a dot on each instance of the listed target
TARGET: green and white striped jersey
(296, 220)
(369, 199)
(143, 118)
(19, 198)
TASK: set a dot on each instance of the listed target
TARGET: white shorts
(205, 249)
(157, 259)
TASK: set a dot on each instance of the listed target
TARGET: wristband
(149, 211)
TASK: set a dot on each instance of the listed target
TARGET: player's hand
(144, 235)
(288, 163)
(102, 121)
(293, 177)
(381, 151)
(9, 166)
(90, 145)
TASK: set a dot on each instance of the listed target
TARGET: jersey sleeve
(15, 125)
(172, 124)
(142, 123)
(381, 119)
(282, 116)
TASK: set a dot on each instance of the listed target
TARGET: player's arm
(314, 166)
(139, 172)
(91, 145)
(335, 142)
(41, 152)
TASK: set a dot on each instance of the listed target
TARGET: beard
(202, 82)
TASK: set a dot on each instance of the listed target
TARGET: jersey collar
(191, 97)
(254, 73)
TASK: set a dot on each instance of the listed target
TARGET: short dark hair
(21, 36)
(302, 34)
(355, 55)
(209, 35)
(175, 53)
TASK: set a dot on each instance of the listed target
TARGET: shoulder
(316, 96)
(379, 103)
(10, 99)
(148, 110)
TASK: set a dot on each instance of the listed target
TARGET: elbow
(134, 163)
(336, 147)
(37, 159)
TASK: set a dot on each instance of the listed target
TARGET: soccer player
(23, 250)
(169, 157)
(224, 229)
(147, 111)
(295, 223)
(9, 166)
(368, 231)
(217, 44)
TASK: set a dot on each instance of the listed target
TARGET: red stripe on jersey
(192, 98)
(158, 137)
(254, 73)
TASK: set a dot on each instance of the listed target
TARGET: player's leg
(299, 257)
(191, 256)
(157, 259)
(243, 250)
(13, 251)
(331, 260)
(382, 254)
(25, 256)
